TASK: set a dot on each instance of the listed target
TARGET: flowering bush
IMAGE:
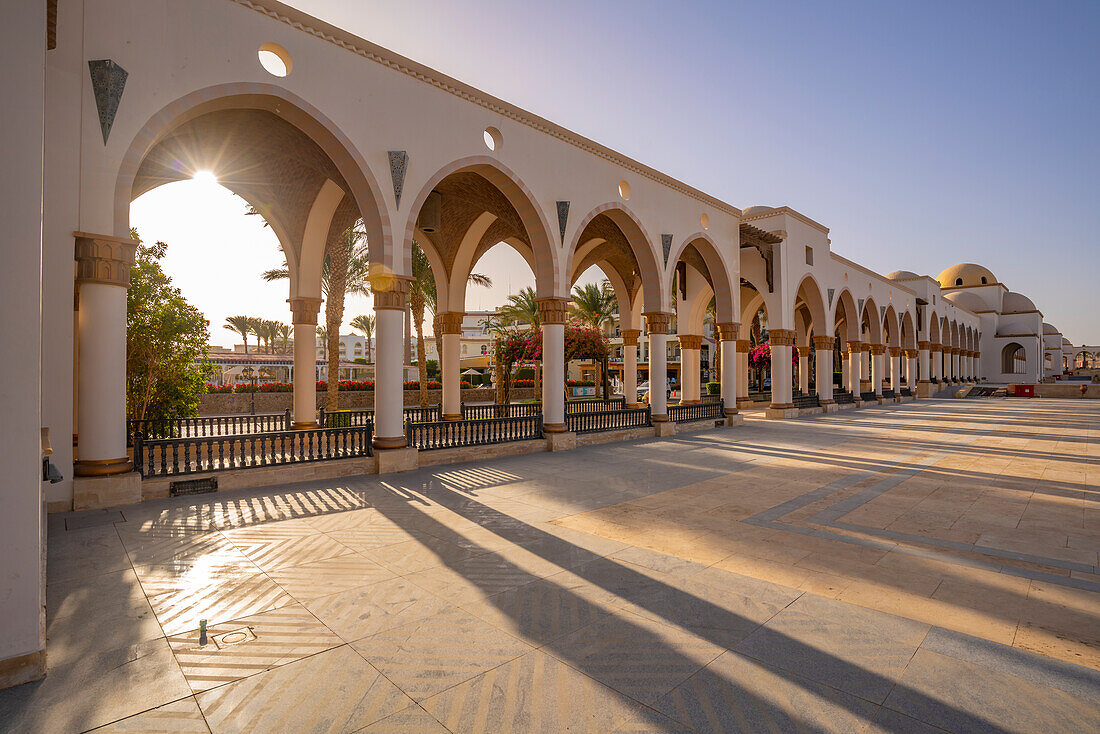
(523, 383)
(218, 389)
(761, 356)
(580, 383)
(322, 386)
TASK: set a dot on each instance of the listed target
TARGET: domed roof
(902, 275)
(970, 301)
(757, 209)
(966, 275)
(1049, 329)
(1015, 302)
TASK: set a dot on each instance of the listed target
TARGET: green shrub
(714, 388)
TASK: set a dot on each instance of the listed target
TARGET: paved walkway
(922, 567)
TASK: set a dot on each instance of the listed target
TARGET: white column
(690, 345)
(895, 369)
(925, 362)
(305, 375)
(855, 362)
(845, 371)
(451, 361)
(103, 275)
(389, 395)
(823, 353)
(804, 369)
(657, 324)
(630, 365)
(553, 312)
(781, 342)
(878, 367)
(727, 335)
(911, 369)
(743, 346)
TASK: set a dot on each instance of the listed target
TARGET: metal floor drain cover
(234, 637)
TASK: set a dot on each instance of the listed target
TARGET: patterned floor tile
(335, 691)
(636, 656)
(857, 650)
(737, 694)
(474, 579)
(534, 693)
(178, 717)
(367, 610)
(435, 653)
(413, 720)
(272, 551)
(417, 555)
(280, 636)
(329, 576)
(180, 608)
(540, 611)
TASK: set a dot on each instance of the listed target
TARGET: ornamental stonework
(934, 348)
(104, 259)
(553, 310)
(691, 341)
(854, 347)
(878, 349)
(911, 353)
(895, 351)
(630, 337)
(781, 337)
(805, 351)
(451, 322)
(743, 346)
(924, 346)
(389, 291)
(824, 342)
(304, 310)
(729, 331)
(658, 322)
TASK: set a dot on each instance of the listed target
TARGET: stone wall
(277, 402)
(1068, 390)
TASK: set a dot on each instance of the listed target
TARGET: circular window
(492, 139)
(624, 190)
(275, 59)
(705, 221)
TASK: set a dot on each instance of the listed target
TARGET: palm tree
(522, 308)
(365, 324)
(711, 318)
(242, 325)
(345, 270)
(284, 334)
(596, 305)
(432, 302)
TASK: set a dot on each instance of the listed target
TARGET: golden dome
(965, 275)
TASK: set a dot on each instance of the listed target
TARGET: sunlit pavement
(908, 568)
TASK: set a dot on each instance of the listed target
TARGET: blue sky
(922, 134)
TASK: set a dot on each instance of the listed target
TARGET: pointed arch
(721, 280)
(638, 240)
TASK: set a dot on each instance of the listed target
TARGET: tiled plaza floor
(913, 568)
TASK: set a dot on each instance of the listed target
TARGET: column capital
(728, 331)
(690, 341)
(630, 337)
(895, 351)
(781, 337)
(658, 322)
(805, 351)
(877, 349)
(924, 346)
(935, 348)
(854, 347)
(104, 259)
(912, 353)
(390, 291)
(553, 310)
(744, 345)
(824, 342)
(451, 322)
(304, 310)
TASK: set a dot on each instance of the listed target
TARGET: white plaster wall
(22, 48)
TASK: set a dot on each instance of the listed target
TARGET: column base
(93, 493)
(553, 428)
(561, 441)
(660, 418)
(102, 467)
(663, 429)
(634, 406)
(386, 443)
(744, 403)
(22, 669)
(304, 425)
(452, 416)
(735, 419)
(781, 411)
(388, 461)
(690, 402)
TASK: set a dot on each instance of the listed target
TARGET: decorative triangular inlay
(108, 81)
(666, 245)
(563, 218)
(831, 292)
(399, 163)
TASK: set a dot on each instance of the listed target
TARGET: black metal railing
(493, 410)
(696, 412)
(345, 418)
(711, 398)
(206, 425)
(806, 401)
(758, 397)
(886, 393)
(452, 434)
(868, 396)
(843, 398)
(906, 392)
(594, 421)
(164, 457)
(587, 405)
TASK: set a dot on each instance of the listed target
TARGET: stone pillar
(823, 353)
(657, 324)
(936, 362)
(390, 296)
(924, 377)
(878, 352)
(956, 373)
(895, 370)
(977, 366)
(912, 356)
(845, 371)
(102, 277)
(743, 347)
(782, 342)
(731, 359)
(553, 313)
(865, 368)
(690, 346)
(855, 362)
(804, 369)
(630, 366)
(451, 363)
(303, 316)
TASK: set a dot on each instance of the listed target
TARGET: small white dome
(902, 275)
(757, 209)
(970, 301)
(1017, 302)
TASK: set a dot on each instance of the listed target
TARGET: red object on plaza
(1022, 391)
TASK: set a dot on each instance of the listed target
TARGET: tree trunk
(437, 334)
(606, 386)
(498, 376)
(416, 306)
(718, 349)
(334, 317)
(370, 355)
